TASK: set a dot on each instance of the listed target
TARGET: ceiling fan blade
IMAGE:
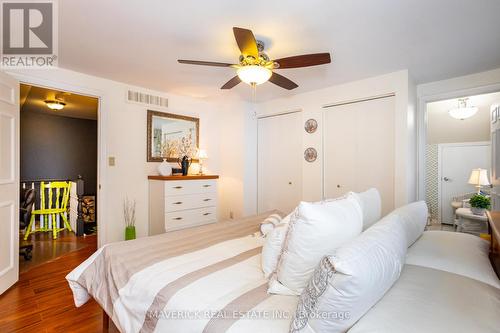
(282, 81)
(246, 42)
(305, 60)
(231, 83)
(204, 63)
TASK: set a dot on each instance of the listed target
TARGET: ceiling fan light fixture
(55, 104)
(254, 74)
(463, 111)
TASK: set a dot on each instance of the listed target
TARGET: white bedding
(434, 301)
(227, 276)
(454, 252)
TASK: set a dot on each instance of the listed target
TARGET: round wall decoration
(311, 125)
(310, 155)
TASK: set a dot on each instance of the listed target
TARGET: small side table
(471, 223)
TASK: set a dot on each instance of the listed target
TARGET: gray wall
(55, 147)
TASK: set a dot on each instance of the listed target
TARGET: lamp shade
(202, 154)
(479, 177)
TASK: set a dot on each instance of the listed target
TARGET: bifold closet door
(280, 158)
(359, 149)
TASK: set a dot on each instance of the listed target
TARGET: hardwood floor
(46, 249)
(41, 301)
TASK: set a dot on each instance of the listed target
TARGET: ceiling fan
(255, 66)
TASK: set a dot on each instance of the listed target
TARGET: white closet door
(359, 149)
(280, 158)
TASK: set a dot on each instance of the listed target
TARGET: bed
(209, 279)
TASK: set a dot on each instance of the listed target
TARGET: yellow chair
(47, 212)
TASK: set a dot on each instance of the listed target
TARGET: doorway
(457, 135)
(58, 145)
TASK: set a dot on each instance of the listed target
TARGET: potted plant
(129, 216)
(479, 204)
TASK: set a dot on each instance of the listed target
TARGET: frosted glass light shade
(254, 74)
(55, 104)
(462, 113)
(479, 177)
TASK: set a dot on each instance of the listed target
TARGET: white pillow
(269, 223)
(414, 217)
(346, 285)
(272, 247)
(315, 230)
(371, 205)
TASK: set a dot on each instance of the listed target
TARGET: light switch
(111, 161)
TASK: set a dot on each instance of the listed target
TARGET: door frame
(440, 156)
(422, 102)
(101, 138)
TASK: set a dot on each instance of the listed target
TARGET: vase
(165, 169)
(130, 233)
(477, 211)
(184, 163)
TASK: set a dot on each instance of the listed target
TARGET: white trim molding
(101, 139)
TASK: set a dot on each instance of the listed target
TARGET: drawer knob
(206, 214)
(207, 199)
(178, 203)
(207, 185)
(178, 218)
(178, 187)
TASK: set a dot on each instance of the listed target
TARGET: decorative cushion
(414, 217)
(371, 205)
(346, 285)
(315, 230)
(272, 247)
(269, 223)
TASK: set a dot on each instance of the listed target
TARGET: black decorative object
(311, 125)
(80, 184)
(310, 155)
(184, 163)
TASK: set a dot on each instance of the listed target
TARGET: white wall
(311, 104)
(223, 133)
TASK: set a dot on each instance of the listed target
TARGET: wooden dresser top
(188, 177)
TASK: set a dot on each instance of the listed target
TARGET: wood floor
(42, 301)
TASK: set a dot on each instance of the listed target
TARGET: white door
(280, 158)
(456, 161)
(359, 149)
(9, 181)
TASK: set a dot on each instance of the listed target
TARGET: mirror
(171, 136)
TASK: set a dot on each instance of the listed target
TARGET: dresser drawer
(190, 201)
(188, 218)
(181, 187)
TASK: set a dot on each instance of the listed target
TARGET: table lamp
(201, 155)
(478, 178)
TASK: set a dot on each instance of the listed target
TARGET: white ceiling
(138, 42)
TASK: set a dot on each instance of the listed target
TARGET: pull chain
(254, 92)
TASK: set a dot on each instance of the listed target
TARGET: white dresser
(177, 202)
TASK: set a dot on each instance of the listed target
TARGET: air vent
(147, 99)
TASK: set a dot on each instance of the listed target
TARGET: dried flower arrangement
(179, 147)
(129, 212)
